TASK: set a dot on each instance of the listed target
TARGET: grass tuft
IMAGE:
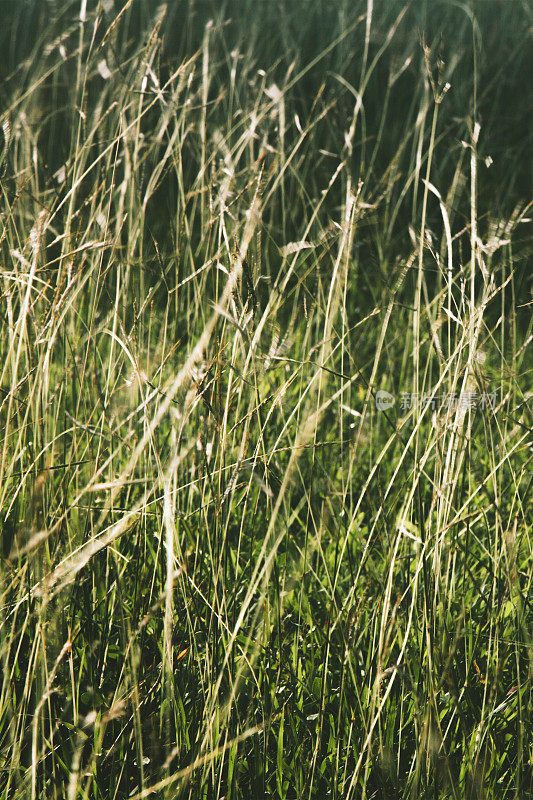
(265, 384)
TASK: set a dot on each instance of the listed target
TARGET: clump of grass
(231, 566)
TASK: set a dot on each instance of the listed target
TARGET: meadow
(265, 399)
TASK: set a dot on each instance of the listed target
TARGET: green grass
(226, 573)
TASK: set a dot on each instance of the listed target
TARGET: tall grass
(229, 570)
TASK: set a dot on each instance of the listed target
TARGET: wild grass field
(265, 399)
